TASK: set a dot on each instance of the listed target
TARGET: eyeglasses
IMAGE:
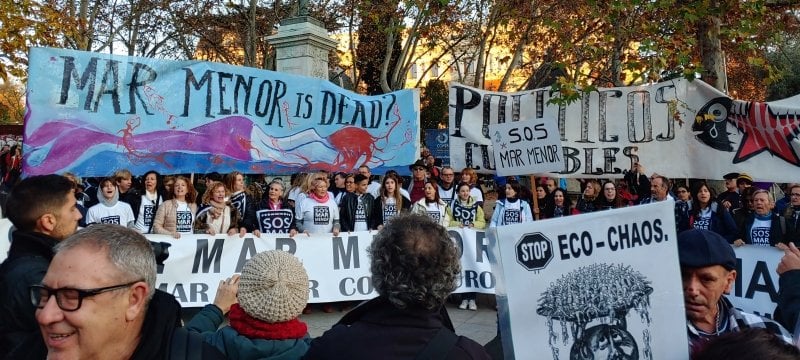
(69, 299)
(448, 174)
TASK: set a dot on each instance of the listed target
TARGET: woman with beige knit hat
(272, 292)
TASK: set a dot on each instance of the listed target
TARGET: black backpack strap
(155, 208)
(185, 345)
(440, 345)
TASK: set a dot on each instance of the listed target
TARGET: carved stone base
(302, 46)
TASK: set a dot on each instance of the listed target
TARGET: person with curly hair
(414, 266)
(217, 216)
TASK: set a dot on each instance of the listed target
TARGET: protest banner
(338, 266)
(565, 285)
(756, 287)
(88, 110)
(526, 147)
(438, 143)
(607, 130)
(754, 291)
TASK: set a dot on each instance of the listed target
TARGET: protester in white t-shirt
(151, 198)
(176, 216)
(432, 205)
(374, 187)
(763, 227)
(319, 212)
(110, 210)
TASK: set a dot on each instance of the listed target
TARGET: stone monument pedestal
(302, 46)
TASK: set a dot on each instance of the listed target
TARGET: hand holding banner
(569, 285)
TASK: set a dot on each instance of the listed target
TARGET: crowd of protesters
(746, 213)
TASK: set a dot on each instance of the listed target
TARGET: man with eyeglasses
(98, 300)
(763, 227)
(447, 188)
(43, 211)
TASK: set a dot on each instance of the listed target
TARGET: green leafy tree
(786, 59)
(433, 105)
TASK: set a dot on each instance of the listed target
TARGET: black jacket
(246, 204)
(775, 233)
(264, 205)
(378, 330)
(788, 308)
(347, 211)
(377, 210)
(792, 217)
(28, 258)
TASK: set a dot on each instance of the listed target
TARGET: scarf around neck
(319, 199)
(253, 328)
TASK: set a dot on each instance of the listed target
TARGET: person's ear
(137, 301)
(730, 278)
(46, 223)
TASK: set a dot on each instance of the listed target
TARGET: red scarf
(320, 200)
(253, 328)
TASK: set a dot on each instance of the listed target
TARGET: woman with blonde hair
(295, 187)
(586, 203)
(217, 215)
(318, 211)
(308, 187)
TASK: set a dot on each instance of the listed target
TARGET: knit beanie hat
(273, 287)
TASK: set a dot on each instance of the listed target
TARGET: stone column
(302, 46)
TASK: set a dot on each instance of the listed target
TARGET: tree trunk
(250, 41)
(711, 55)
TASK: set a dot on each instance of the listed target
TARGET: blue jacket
(235, 346)
(721, 222)
(776, 229)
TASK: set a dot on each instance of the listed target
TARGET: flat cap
(744, 177)
(701, 248)
(731, 176)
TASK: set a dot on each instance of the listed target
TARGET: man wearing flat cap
(730, 198)
(419, 176)
(708, 272)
